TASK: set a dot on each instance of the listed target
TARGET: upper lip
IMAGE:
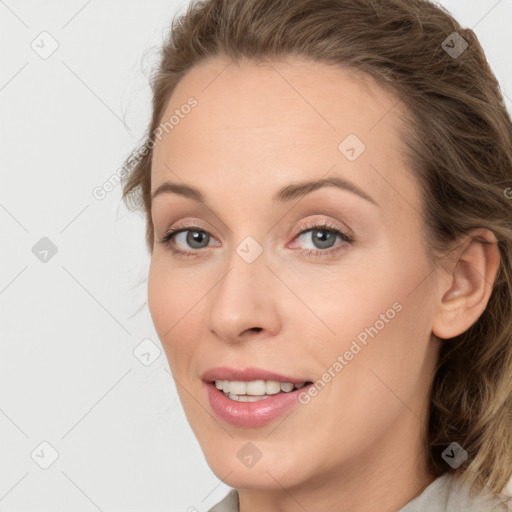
(246, 374)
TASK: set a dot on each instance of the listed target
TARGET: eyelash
(323, 226)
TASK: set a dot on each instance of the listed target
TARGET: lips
(248, 374)
(249, 413)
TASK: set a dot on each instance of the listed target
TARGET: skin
(359, 443)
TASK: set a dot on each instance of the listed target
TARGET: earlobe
(470, 281)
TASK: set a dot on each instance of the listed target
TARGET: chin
(272, 471)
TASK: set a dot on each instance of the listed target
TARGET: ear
(467, 284)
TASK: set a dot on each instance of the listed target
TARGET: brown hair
(458, 137)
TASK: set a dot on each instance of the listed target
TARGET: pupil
(324, 240)
(194, 237)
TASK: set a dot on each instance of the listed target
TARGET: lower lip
(251, 414)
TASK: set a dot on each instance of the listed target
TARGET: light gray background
(69, 326)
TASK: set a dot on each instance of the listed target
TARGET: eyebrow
(287, 193)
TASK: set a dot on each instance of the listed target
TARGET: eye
(321, 237)
(191, 236)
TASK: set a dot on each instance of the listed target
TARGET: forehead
(264, 124)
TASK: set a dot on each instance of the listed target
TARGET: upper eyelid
(309, 224)
(322, 224)
(187, 226)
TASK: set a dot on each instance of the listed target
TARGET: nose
(245, 302)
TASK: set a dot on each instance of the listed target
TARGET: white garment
(445, 494)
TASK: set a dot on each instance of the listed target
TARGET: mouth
(255, 390)
(251, 397)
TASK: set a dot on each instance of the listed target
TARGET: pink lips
(247, 374)
(249, 414)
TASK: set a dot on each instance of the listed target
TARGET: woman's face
(266, 286)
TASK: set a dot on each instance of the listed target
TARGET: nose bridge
(242, 299)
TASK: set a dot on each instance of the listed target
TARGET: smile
(255, 390)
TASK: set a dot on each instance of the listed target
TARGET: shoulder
(445, 494)
(448, 494)
(228, 504)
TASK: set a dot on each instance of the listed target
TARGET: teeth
(286, 386)
(255, 388)
(272, 387)
(247, 398)
(236, 387)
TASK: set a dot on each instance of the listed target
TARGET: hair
(458, 142)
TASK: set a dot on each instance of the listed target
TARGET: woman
(326, 185)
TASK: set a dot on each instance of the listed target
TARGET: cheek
(161, 298)
(174, 302)
(384, 331)
(373, 293)
(379, 314)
